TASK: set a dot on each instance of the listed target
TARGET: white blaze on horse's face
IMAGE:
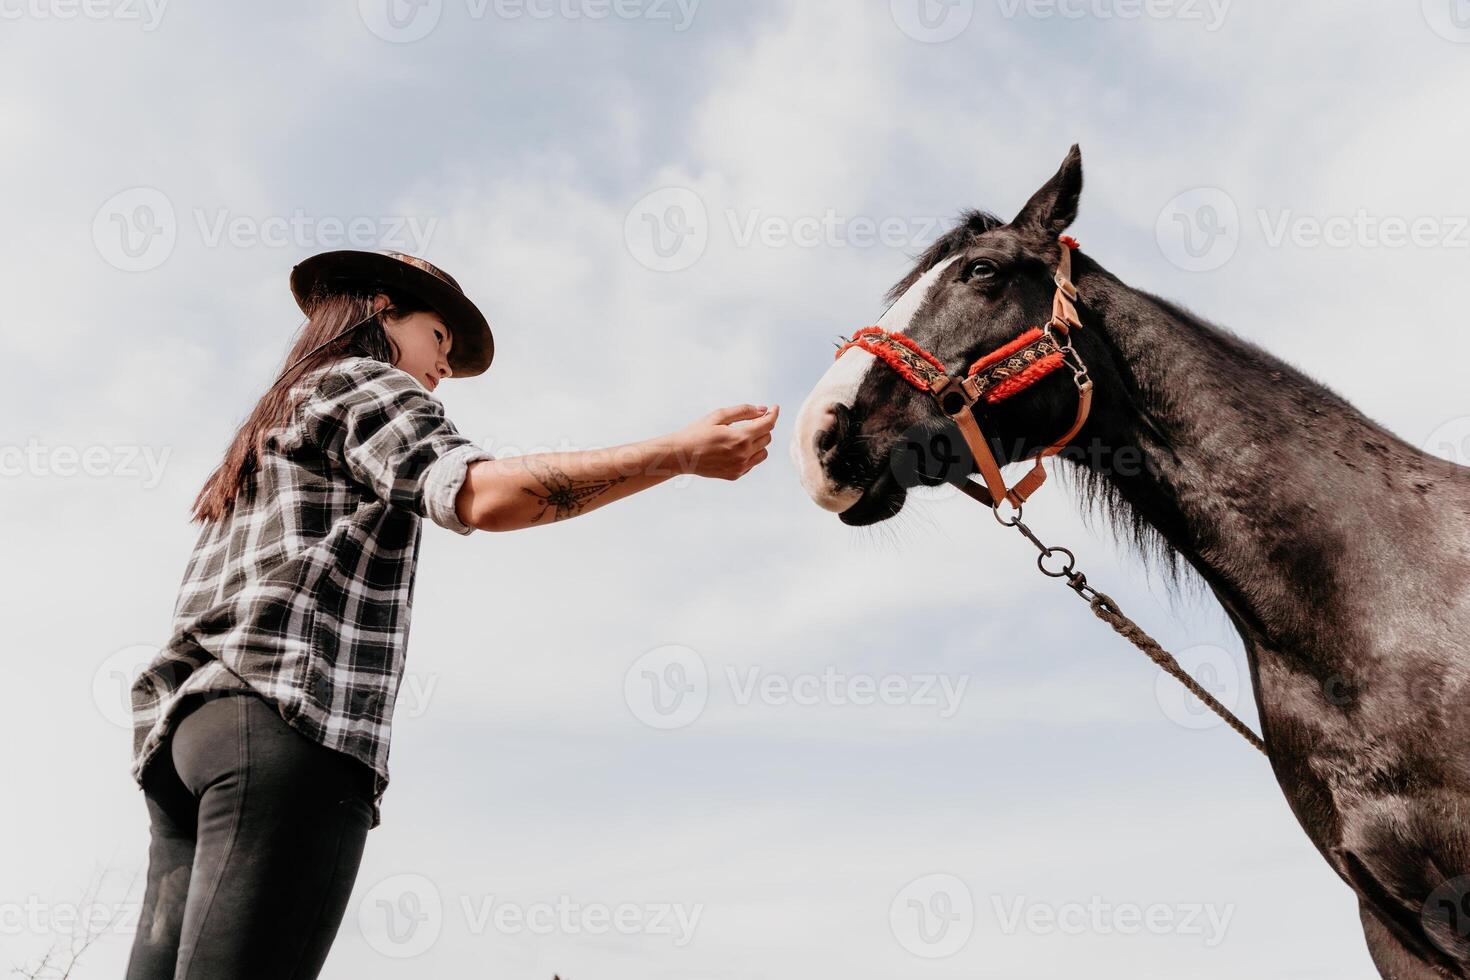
(839, 386)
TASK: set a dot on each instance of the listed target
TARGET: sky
(891, 751)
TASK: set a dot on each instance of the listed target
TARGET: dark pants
(257, 833)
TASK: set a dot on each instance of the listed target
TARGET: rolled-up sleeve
(446, 475)
(395, 440)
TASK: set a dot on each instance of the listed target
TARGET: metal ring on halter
(1065, 570)
(995, 509)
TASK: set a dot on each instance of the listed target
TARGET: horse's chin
(881, 500)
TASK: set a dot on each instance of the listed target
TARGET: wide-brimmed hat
(473, 346)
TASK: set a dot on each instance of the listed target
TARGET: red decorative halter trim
(1029, 365)
(1001, 353)
(907, 362)
(1028, 377)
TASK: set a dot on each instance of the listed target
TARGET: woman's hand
(713, 446)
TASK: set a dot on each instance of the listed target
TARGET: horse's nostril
(829, 437)
(826, 439)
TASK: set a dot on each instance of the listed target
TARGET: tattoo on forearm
(561, 495)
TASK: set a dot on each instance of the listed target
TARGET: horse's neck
(1299, 511)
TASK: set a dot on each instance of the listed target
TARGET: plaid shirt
(303, 593)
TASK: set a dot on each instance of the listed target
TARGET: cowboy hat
(473, 346)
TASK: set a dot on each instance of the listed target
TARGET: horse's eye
(980, 269)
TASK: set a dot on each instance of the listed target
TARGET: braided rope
(1106, 610)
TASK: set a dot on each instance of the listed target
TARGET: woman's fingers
(736, 413)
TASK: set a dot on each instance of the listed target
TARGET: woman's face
(423, 344)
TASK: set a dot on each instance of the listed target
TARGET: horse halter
(993, 378)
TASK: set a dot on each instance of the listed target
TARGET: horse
(1339, 552)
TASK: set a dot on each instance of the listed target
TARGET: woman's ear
(380, 301)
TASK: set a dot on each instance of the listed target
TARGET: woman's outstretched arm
(526, 491)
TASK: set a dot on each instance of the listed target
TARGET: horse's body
(1342, 556)
(1340, 552)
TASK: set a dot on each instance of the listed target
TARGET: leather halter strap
(993, 378)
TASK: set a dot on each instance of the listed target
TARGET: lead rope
(1107, 610)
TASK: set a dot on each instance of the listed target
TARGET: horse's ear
(1052, 209)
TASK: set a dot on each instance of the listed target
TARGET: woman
(261, 730)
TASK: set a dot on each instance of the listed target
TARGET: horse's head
(864, 434)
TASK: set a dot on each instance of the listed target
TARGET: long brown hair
(335, 309)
